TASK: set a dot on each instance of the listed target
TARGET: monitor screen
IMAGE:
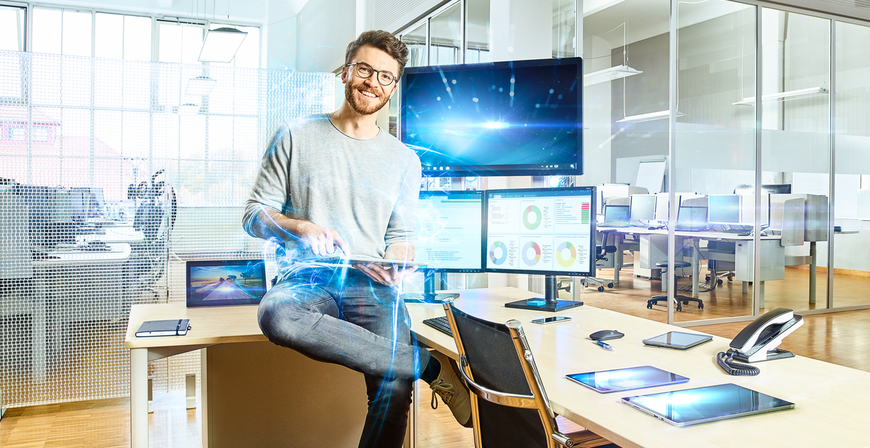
(616, 213)
(97, 203)
(449, 231)
(518, 118)
(643, 207)
(692, 217)
(77, 205)
(225, 282)
(747, 210)
(724, 209)
(549, 231)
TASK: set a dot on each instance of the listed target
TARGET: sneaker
(453, 393)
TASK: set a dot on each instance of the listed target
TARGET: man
(339, 182)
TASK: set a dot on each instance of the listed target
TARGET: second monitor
(547, 231)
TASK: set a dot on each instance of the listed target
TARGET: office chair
(508, 402)
(149, 258)
(601, 253)
(679, 299)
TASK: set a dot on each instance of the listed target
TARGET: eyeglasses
(365, 71)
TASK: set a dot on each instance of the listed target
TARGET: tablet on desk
(678, 339)
(706, 404)
(359, 259)
(618, 380)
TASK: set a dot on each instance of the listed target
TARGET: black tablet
(678, 340)
(607, 381)
(706, 404)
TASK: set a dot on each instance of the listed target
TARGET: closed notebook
(171, 327)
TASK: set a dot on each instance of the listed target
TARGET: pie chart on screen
(497, 252)
(531, 248)
(563, 261)
(532, 217)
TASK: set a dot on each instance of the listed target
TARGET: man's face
(366, 95)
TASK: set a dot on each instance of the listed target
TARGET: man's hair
(383, 41)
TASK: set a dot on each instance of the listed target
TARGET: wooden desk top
(209, 326)
(830, 400)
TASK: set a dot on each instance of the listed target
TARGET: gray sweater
(366, 190)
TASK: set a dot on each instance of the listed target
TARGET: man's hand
(391, 274)
(322, 241)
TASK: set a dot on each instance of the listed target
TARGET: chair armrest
(583, 439)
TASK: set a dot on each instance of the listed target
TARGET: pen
(604, 345)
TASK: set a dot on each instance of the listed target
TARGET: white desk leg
(139, 397)
(812, 272)
(617, 263)
(761, 294)
(411, 431)
(39, 331)
(696, 270)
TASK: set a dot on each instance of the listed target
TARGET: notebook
(171, 327)
(706, 404)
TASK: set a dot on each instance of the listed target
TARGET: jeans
(343, 317)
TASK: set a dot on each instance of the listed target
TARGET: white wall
(324, 29)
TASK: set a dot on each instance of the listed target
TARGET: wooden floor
(841, 338)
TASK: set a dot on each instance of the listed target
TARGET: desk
(746, 272)
(48, 273)
(254, 393)
(114, 234)
(827, 413)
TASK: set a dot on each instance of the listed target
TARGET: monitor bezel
(448, 193)
(193, 303)
(592, 230)
(461, 170)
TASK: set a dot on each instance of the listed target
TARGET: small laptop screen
(225, 282)
(616, 213)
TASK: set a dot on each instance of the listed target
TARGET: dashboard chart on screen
(449, 230)
(544, 231)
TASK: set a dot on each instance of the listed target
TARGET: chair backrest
(496, 362)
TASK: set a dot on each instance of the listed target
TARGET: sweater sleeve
(271, 186)
(403, 219)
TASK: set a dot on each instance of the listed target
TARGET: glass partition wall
(796, 177)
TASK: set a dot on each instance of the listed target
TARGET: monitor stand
(550, 302)
(428, 295)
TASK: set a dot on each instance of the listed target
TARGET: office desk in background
(653, 249)
(830, 399)
(100, 270)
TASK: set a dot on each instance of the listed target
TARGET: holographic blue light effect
(503, 118)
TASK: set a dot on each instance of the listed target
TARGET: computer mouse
(604, 335)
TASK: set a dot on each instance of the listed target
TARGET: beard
(363, 109)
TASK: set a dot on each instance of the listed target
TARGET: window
(12, 28)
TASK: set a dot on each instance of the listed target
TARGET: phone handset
(758, 342)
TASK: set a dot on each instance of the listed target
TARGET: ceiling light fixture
(221, 44)
(790, 95)
(199, 86)
(648, 117)
(609, 74)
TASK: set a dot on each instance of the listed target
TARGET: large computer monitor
(515, 118)
(747, 210)
(448, 237)
(547, 231)
(642, 208)
(724, 209)
(691, 218)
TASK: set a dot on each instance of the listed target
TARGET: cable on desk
(730, 366)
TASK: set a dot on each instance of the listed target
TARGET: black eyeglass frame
(374, 72)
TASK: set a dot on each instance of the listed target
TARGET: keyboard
(439, 323)
(613, 224)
